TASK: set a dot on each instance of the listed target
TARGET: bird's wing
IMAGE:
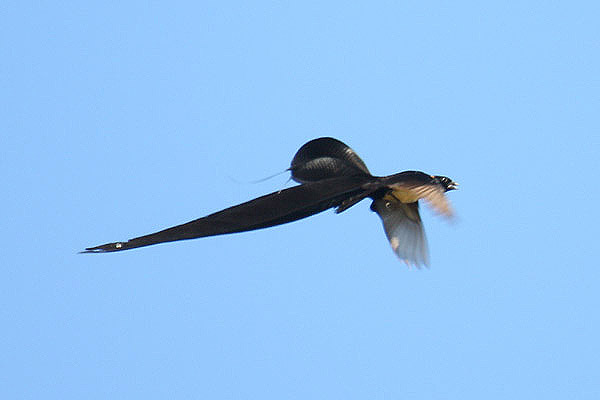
(434, 196)
(326, 158)
(273, 209)
(411, 186)
(403, 228)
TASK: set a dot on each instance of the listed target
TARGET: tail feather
(273, 209)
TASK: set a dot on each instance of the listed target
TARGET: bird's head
(447, 183)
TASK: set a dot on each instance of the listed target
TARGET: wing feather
(432, 193)
(325, 158)
(404, 230)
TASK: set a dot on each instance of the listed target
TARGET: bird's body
(331, 175)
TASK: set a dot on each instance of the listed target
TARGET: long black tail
(272, 209)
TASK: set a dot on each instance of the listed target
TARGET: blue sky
(120, 119)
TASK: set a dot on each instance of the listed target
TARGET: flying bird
(330, 175)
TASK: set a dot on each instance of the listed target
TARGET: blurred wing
(273, 209)
(404, 230)
(432, 193)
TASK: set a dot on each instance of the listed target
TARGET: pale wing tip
(441, 205)
(413, 263)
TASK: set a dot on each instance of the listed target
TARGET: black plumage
(331, 175)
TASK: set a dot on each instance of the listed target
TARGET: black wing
(325, 158)
(272, 209)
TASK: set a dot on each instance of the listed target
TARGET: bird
(330, 175)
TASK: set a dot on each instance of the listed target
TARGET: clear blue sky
(119, 119)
